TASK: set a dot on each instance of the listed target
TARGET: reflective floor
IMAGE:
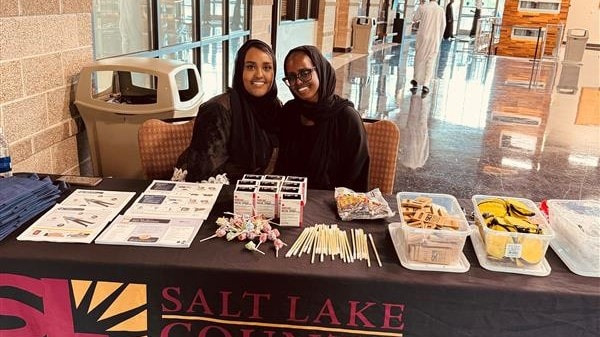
(489, 125)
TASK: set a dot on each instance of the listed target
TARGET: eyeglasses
(304, 75)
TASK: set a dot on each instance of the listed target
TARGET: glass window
(185, 55)
(120, 27)
(211, 12)
(234, 46)
(237, 15)
(174, 29)
(175, 22)
(526, 33)
(211, 68)
(540, 6)
(299, 9)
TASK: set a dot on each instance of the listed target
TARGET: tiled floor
(488, 126)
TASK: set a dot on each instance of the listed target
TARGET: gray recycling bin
(115, 96)
(576, 40)
(363, 31)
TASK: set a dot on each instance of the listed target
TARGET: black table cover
(218, 288)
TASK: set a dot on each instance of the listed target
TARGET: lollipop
(252, 246)
(220, 232)
(278, 244)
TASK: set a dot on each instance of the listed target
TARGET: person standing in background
(478, 5)
(429, 37)
(448, 33)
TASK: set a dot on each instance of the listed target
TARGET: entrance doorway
(466, 11)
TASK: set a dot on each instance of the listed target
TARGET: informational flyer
(177, 199)
(114, 200)
(79, 218)
(160, 231)
(207, 190)
(68, 224)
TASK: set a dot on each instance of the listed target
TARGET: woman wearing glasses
(322, 136)
(235, 132)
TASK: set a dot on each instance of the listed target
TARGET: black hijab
(319, 164)
(329, 103)
(253, 118)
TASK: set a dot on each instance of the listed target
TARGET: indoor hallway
(484, 128)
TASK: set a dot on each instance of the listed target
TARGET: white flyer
(114, 200)
(207, 190)
(159, 231)
(69, 224)
(176, 199)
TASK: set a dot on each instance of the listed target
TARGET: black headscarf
(326, 126)
(253, 118)
(329, 103)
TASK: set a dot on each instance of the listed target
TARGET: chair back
(160, 144)
(383, 142)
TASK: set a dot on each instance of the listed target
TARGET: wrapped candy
(248, 228)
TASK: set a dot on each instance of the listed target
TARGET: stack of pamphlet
(78, 218)
(22, 198)
(167, 214)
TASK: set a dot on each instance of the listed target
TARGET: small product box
(273, 177)
(302, 182)
(267, 201)
(577, 225)
(247, 182)
(434, 228)
(289, 189)
(244, 200)
(291, 209)
(269, 183)
(513, 230)
(252, 177)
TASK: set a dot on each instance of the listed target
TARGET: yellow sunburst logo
(117, 309)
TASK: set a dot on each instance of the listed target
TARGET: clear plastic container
(514, 248)
(434, 246)
(578, 224)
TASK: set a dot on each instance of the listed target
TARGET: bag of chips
(353, 205)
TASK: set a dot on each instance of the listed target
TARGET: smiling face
(296, 65)
(258, 72)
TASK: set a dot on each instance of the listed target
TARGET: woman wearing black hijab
(322, 136)
(235, 132)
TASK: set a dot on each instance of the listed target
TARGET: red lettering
(256, 303)
(354, 314)
(174, 300)
(200, 300)
(388, 316)
(166, 331)
(246, 333)
(329, 311)
(225, 303)
(205, 331)
(293, 309)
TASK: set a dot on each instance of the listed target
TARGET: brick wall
(345, 12)
(260, 21)
(43, 45)
(326, 26)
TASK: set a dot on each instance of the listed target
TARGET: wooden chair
(160, 144)
(383, 141)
